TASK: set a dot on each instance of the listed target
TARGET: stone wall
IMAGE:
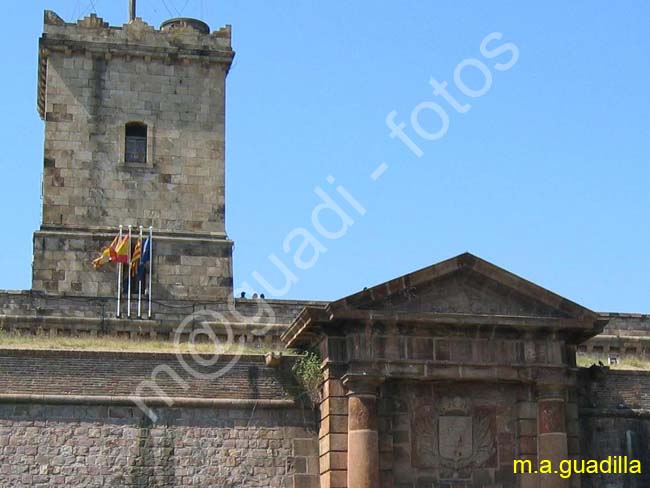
(99, 446)
(93, 80)
(615, 421)
(626, 335)
(443, 407)
(253, 321)
(183, 267)
(98, 78)
(604, 388)
(66, 419)
(117, 375)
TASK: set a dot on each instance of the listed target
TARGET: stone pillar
(527, 434)
(552, 432)
(363, 437)
(333, 435)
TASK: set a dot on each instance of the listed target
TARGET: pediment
(464, 291)
(465, 284)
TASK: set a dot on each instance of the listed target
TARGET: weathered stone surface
(242, 321)
(626, 335)
(122, 374)
(448, 432)
(462, 347)
(474, 369)
(465, 292)
(92, 446)
(93, 81)
(64, 259)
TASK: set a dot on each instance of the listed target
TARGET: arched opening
(135, 149)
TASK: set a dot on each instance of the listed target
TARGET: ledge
(109, 233)
(177, 402)
(104, 354)
(631, 413)
(72, 322)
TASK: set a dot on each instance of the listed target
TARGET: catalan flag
(120, 252)
(135, 257)
(106, 254)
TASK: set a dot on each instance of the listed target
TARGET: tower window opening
(135, 150)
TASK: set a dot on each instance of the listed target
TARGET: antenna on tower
(132, 7)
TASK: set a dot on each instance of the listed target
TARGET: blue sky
(546, 175)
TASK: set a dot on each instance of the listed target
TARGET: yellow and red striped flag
(106, 254)
(120, 252)
(135, 257)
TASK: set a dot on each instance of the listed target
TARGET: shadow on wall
(153, 465)
(615, 421)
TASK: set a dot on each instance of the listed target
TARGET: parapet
(181, 33)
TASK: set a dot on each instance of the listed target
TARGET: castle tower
(134, 135)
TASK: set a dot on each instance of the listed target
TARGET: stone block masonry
(94, 80)
(614, 412)
(442, 377)
(185, 267)
(100, 446)
(626, 336)
(65, 421)
(253, 322)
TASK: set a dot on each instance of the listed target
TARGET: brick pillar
(333, 434)
(552, 432)
(363, 436)
(527, 434)
(573, 432)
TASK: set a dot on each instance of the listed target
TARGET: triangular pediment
(464, 291)
(465, 284)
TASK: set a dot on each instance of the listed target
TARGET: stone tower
(134, 135)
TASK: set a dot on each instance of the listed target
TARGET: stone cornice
(362, 384)
(110, 49)
(544, 375)
(459, 319)
(308, 325)
(170, 402)
(110, 232)
(304, 329)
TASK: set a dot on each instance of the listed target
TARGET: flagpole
(150, 267)
(128, 274)
(119, 280)
(139, 279)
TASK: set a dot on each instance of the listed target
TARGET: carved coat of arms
(451, 436)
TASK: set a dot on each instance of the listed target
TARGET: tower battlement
(134, 135)
(184, 39)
